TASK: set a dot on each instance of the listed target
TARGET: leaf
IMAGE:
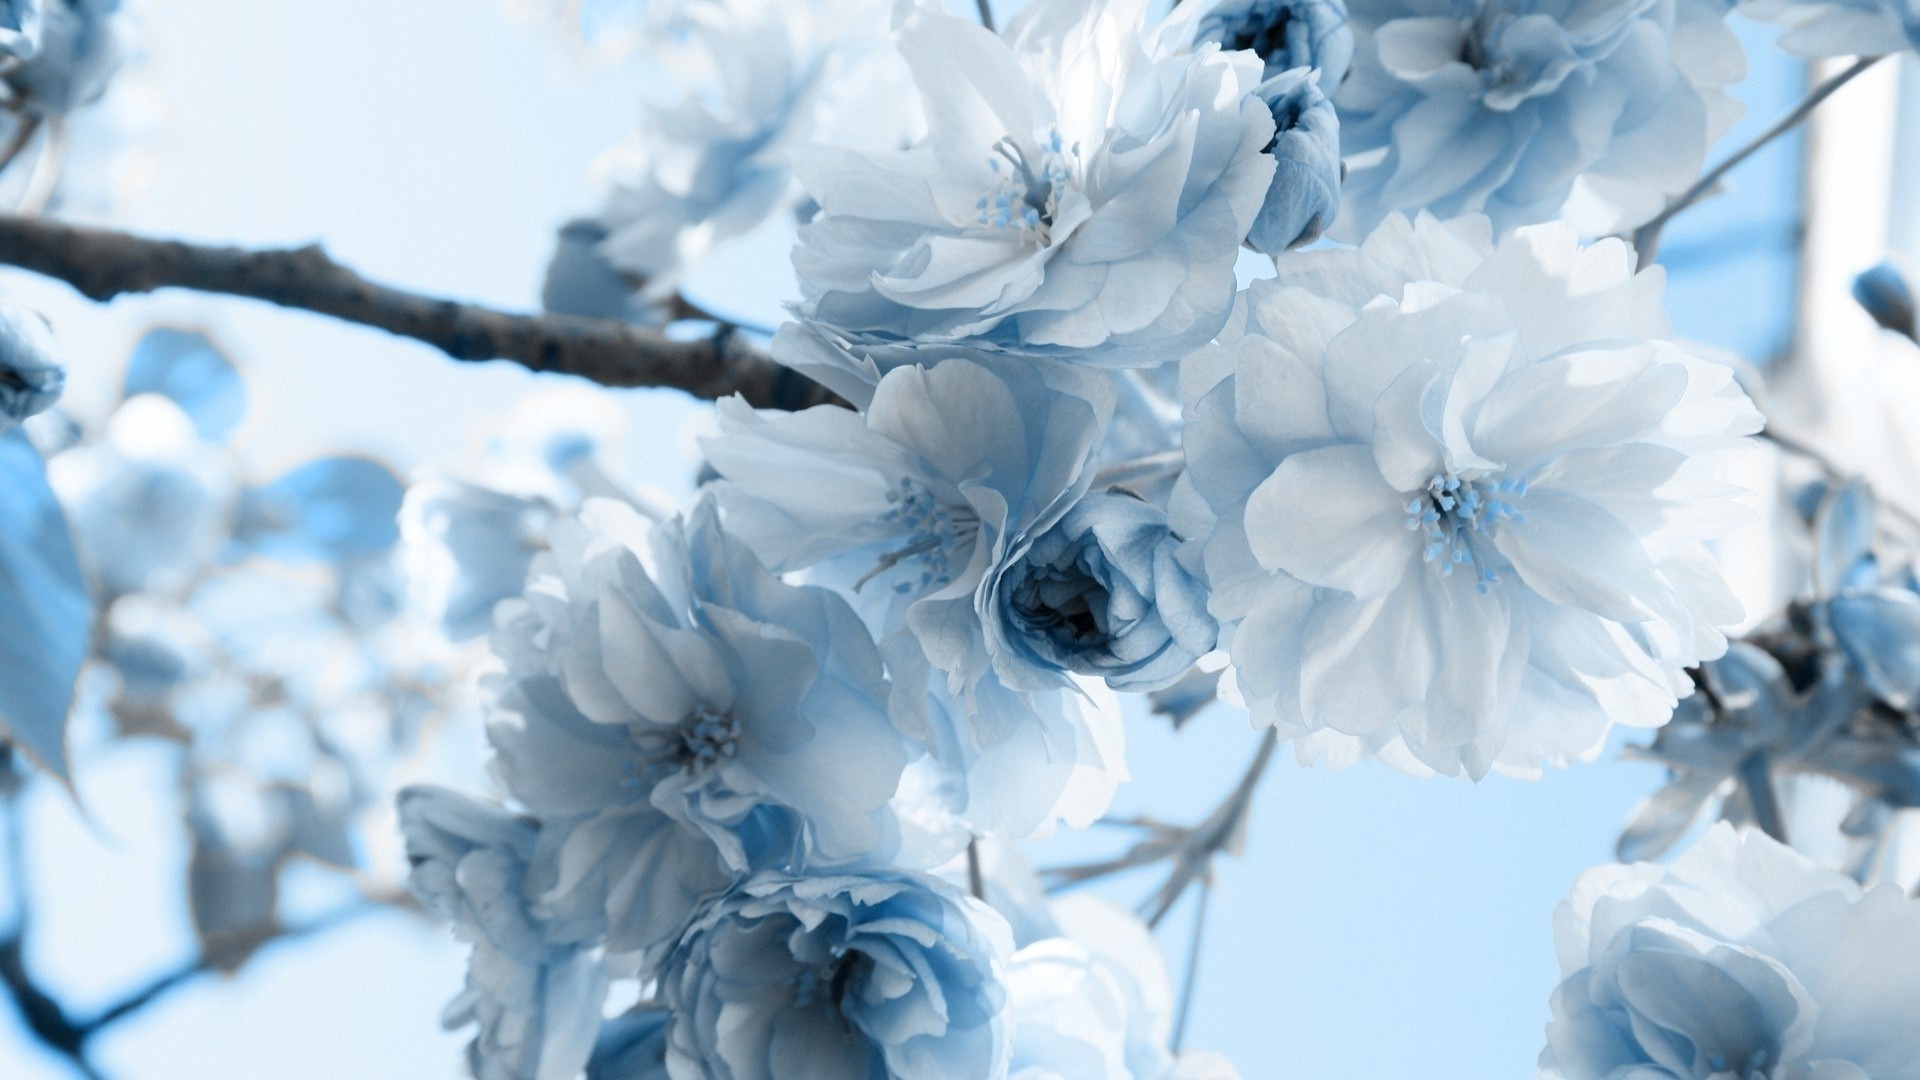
(45, 616)
(188, 369)
(333, 508)
(1842, 535)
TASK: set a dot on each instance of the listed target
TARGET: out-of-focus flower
(1741, 959)
(152, 505)
(1095, 1003)
(874, 976)
(1082, 193)
(1452, 496)
(1525, 112)
(1100, 594)
(1888, 296)
(1285, 34)
(32, 376)
(19, 28)
(705, 689)
(1819, 28)
(1305, 193)
(468, 548)
(82, 44)
(534, 987)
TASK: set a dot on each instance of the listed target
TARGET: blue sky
(1376, 925)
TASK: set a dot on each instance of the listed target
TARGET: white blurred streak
(1850, 387)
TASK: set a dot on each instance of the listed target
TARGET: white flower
(1526, 112)
(1094, 1003)
(1743, 959)
(1082, 192)
(1453, 496)
(1842, 27)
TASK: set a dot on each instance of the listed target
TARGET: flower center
(1025, 198)
(827, 984)
(937, 536)
(706, 738)
(1066, 605)
(1458, 515)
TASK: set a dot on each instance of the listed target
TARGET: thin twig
(986, 13)
(976, 884)
(1646, 239)
(103, 264)
(1219, 832)
(1793, 444)
(1189, 980)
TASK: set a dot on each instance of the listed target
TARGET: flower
(1742, 959)
(1101, 594)
(1285, 34)
(468, 547)
(19, 27)
(1081, 193)
(1305, 193)
(82, 44)
(1528, 112)
(1452, 496)
(32, 376)
(875, 975)
(1819, 28)
(1095, 1004)
(916, 508)
(533, 987)
(670, 671)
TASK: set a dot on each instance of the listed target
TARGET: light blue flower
(43, 605)
(1081, 193)
(534, 986)
(691, 681)
(1100, 594)
(915, 508)
(1305, 194)
(1094, 1003)
(1284, 34)
(1407, 483)
(880, 976)
(82, 44)
(1596, 112)
(1741, 959)
(467, 548)
(32, 376)
(19, 27)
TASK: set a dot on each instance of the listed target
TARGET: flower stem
(1646, 239)
(986, 14)
(976, 884)
(1189, 980)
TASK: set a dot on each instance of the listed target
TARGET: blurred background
(1374, 925)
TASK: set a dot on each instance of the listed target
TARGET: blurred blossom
(534, 986)
(582, 281)
(82, 45)
(1305, 193)
(1887, 295)
(1452, 497)
(1598, 112)
(19, 27)
(1081, 193)
(1741, 959)
(468, 548)
(876, 975)
(1094, 1003)
(152, 505)
(32, 375)
(1820, 28)
(1285, 34)
(1101, 594)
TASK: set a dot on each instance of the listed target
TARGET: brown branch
(102, 264)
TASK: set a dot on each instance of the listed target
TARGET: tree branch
(102, 264)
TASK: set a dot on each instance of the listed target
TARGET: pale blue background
(1377, 926)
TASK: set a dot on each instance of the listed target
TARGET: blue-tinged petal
(1880, 632)
(335, 508)
(43, 607)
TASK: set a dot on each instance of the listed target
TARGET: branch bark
(102, 264)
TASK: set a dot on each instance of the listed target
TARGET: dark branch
(103, 264)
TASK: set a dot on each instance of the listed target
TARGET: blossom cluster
(1440, 496)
